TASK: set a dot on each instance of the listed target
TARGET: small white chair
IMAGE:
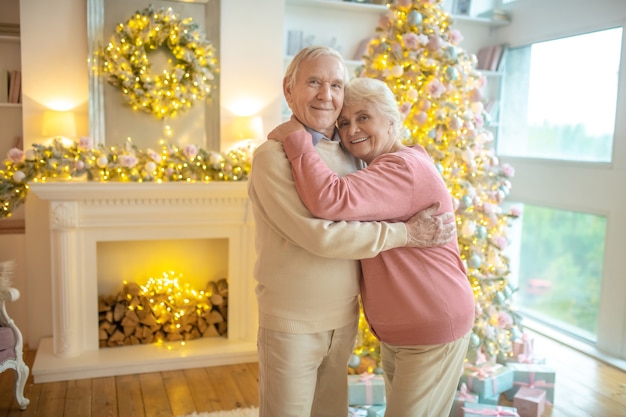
(11, 342)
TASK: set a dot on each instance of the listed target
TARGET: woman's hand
(427, 229)
(283, 130)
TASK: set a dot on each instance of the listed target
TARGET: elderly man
(307, 268)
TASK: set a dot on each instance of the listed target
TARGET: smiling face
(365, 131)
(316, 96)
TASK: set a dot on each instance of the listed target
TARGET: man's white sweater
(307, 269)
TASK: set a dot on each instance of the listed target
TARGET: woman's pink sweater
(411, 296)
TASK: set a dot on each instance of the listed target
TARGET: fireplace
(85, 215)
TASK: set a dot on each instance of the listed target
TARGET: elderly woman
(417, 301)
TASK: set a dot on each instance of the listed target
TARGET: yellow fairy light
(157, 97)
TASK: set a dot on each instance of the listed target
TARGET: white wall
(588, 188)
(252, 62)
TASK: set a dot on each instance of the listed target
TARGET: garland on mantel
(79, 160)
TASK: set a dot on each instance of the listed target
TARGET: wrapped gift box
(481, 410)
(366, 389)
(523, 351)
(493, 400)
(366, 411)
(530, 402)
(487, 380)
(462, 396)
(532, 376)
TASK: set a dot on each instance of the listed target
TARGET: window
(558, 270)
(559, 98)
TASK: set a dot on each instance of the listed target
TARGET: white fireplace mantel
(81, 214)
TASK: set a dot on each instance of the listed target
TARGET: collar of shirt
(317, 136)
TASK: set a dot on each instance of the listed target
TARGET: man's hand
(426, 230)
(283, 130)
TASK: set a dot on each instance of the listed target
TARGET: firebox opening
(162, 291)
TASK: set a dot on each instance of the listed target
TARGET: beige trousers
(304, 375)
(421, 381)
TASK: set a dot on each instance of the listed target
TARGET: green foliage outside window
(561, 266)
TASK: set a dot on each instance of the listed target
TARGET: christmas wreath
(190, 78)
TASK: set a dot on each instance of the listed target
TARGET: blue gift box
(366, 411)
(481, 410)
(536, 376)
(461, 397)
(493, 400)
(487, 380)
(366, 389)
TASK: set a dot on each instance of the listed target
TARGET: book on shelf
(15, 86)
(18, 142)
(4, 86)
(489, 58)
(492, 107)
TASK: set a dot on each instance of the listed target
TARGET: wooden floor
(584, 388)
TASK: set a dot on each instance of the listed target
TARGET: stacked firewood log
(132, 317)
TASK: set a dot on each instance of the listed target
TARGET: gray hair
(306, 54)
(376, 92)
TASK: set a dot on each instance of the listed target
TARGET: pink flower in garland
(404, 109)
(516, 211)
(385, 21)
(85, 143)
(455, 36)
(504, 320)
(411, 40)
(128, 161)
(154, 155)
(508, 170)
(190, 151)
(15, 155)
(435, 43)
(500, 242)
(435, 88)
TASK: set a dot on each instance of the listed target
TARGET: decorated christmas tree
(439, 90)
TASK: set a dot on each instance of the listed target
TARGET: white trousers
(421, 381)
(305, 375)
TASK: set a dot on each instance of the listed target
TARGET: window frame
(589, 187)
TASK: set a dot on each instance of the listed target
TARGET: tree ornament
(355, 361)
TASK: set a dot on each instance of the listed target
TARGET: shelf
(11, 105)
(489, 73)
(350, 63)
(381, 8)
(12, 226)
(10, 38)
(339, 4)
(480, 21)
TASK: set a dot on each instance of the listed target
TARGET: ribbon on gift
(483, 372)
(369, 390)
(356, 412)
(486, 370)
(527, 355)
(497, 412)
(464, 394)
(534, 384)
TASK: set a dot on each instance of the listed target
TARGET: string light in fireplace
(168, 296)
